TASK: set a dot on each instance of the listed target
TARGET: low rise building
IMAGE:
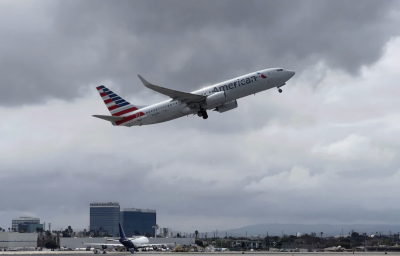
(18, 240)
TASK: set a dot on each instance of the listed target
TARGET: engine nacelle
(227, 106)
(215, 99)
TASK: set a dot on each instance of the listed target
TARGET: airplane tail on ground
(121, 231)
(115, 104)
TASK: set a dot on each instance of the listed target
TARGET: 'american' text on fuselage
(236, 83)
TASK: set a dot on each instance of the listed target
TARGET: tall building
(104, 218)
(138, 221)
(23, 220)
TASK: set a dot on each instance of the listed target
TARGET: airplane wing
(176, 95)
(152, 245)
(103, 244)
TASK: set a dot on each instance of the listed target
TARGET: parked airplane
(132, 243)
(220, 97)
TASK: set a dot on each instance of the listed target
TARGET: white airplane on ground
(334, 249)
(219, 97)
(132, 243)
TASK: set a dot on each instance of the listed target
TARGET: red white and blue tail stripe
(115, 104)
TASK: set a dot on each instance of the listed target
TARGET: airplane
(334, 249)
(132, 243)
(220, 97)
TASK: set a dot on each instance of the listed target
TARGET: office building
(23, 220)
(138, 222)
(104, 218)
(30, 227)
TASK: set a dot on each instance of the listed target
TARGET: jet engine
(227, 106)
(215, 99)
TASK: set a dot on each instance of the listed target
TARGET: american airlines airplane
(220, 97)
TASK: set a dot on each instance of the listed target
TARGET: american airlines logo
(261, 75)
(238, 83)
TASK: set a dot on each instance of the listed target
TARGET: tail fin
(115, 104)
(121, 231)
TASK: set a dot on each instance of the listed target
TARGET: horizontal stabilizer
(176, 95)
(110, 118)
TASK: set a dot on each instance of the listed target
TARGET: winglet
(144, 81)
(121, 231)
(175, 95)
(151, 86)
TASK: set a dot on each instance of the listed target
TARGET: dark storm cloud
(278, 157)
(58, 47)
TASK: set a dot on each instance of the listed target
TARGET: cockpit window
(279, 69)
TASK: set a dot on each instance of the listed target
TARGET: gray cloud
(277, 158)
(57, 48)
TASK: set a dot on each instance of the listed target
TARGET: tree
(321, 236)
(196, 233)
(68, 232)
(50, 244)
(199, 243)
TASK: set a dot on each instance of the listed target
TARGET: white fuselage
(140, 242)
(234, 89)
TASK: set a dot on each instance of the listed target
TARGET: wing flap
(176, 95)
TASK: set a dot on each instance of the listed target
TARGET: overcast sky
(326, 150)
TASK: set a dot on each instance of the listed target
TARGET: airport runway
(78, 253)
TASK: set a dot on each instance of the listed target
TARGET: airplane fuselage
(135, 243)
(230, 90)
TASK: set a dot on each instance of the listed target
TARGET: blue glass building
(104, 218)
(138, 222)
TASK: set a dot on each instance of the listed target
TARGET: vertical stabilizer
(115, 104)
(121, 231)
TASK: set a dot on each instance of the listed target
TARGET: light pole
(155, 230)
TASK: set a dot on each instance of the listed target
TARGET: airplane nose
(291, 73)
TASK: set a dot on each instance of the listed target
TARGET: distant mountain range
(293, 229)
